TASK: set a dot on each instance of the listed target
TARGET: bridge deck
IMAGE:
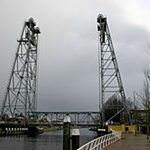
(131, 142)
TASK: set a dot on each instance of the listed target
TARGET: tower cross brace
(20, 97)
(110, 83)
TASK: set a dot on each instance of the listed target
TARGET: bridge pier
(18, 129)
(32, 131)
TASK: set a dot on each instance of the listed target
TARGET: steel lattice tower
(21, 90)
(109, 74)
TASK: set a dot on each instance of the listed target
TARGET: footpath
(131, 142)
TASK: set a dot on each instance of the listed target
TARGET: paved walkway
(130, 142)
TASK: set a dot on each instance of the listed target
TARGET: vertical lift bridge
(111, 85)
(20, 96)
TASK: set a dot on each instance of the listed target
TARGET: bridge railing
(102, 142)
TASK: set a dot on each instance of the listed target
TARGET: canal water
(45, 141)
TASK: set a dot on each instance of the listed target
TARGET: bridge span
(49, 119)
(85, 119)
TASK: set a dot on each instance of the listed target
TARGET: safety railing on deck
(102, 142)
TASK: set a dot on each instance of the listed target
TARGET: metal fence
(102, 142)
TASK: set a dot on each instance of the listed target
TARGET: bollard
(75, 139)
(66, 133)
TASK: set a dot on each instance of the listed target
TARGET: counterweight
(21, 90)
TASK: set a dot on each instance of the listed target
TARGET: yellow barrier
(123, 128)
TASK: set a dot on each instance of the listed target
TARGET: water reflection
(46, 141)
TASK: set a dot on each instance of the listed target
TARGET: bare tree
(146, 99)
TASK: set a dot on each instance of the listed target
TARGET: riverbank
(50, 129)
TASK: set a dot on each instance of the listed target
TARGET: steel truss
(111, 85)
(77, 118)
(21, 90)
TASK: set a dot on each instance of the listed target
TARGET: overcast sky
(68, 47)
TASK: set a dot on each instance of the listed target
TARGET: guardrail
(102, 142)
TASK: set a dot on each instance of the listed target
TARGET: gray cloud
(68, 76)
